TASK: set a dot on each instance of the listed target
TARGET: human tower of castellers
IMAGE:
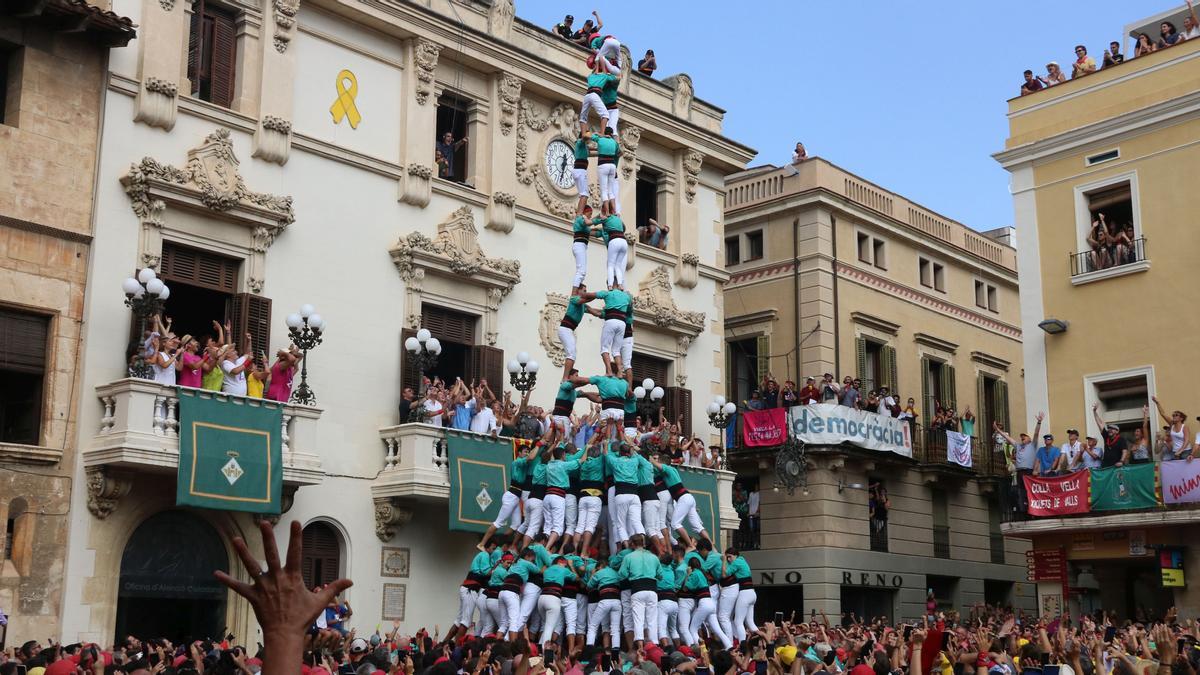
(566, 506)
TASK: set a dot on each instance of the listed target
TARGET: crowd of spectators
(1085, 64)
(848, 393)
(1110, 244)
(584, 35)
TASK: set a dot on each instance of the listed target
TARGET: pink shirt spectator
(281, 382)
(191, 374)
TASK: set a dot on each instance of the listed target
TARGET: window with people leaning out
(1112, 239)
(450, 144)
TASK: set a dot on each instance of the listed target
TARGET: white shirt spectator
(693, 460)
(484, 421)
(164, 375)
(234, 383)
(885, 405)
(433, 412)
(1192, 33)
(1090, 462)
(752, 503)
(1073, 452)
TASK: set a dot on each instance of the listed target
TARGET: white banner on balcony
(958, 448)
(825, 424)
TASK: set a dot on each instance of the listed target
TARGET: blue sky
(910, 95)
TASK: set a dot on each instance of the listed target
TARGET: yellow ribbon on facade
(344, 105)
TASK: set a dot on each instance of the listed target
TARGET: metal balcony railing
(1108, 257)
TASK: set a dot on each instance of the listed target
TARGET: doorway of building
(787, 600)
(867, 603)
(167, 587)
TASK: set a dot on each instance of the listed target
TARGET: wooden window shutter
(193, 56)
(198, 268)
(490, 366)
(1001, 397)
(648, 366)
(224, 59)
(763, 349)
(23, 341)
(926, 403)
(448, 325)
(679, 402)
(322, 555)
(949, 395)
(252, 314)
(888, 354)
(983, 416)
(860, 358)
(409, 377)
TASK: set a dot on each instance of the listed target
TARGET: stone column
(815, 231)
(685, 230)
(505, 98)
(273, 137)
(418, 119)
(161, 62)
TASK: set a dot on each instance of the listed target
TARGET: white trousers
(610, 51)
(582, 614)
(489, 616)
(607, 175)
(645, 615)
(589, 515)
(607, 611)
(467, 599)
(650, 518)
(626, 348)
(592, 102)
(687, 607)
(563, 422)
(610, 343)
(729, 595)
(627, 610)
(509, 511)
(685, 508)
(572, 512)
(550, 607)
(614, 116)
(618, 254)
(743, 614)
(705, 615)
(668, 620)
(581, 182)
(623, 509)
(510, 612)
(570, 615)
(554, 510)
(533, 518)
(664, 506)
(579, 250)
(529, 601)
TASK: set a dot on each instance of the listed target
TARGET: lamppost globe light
(411, 344)
(293, 320)
(434, 346)
(139, 292)
(531, 367)
(146, 275)
(730, 408)
(523, 358)
(657, 393)
(639, 392)
(316, 322)
(720, 400)
(164, 293)
(154, 286)
(130, 286)
(307, 310)
(423, 335)
(513, 367)
(713, 408)
(647, 384)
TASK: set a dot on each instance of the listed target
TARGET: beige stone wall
(48, 151)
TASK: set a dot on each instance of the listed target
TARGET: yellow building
(830, 273)
(1110, 325)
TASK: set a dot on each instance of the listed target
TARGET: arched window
(322, 561)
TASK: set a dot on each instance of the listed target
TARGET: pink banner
(1058, 496)
(764, 427)
(1180, 481)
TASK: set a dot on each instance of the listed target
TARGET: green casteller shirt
(608, 92)
(609, 387)
(539, 473)
(541, 556)
(522, 568)
(581, 148)
(645, 472)
(739, 568)
(558, 575)
(641, 564)
(592, 470)
(603, 577)
(626, 469)
(606, 146)
(558, 472)
(566, 391)
(666, 578)
(520, 471)
(482, 563)
(612, 226)
(695, 582)
(670, 475)
(616, 299)
(630, 402)
(497, 578)
(582, 227)
(615, 561)
(712, 565)
(599, 81)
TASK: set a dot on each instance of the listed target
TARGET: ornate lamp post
(145, 295)
(720, 414)
(791, 467)
(522, 373)
(305, 331)
(649, 399)
(423, 350)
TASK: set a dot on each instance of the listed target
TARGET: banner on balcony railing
(230, 455)
(1124, 487)
(1058, 496)
(825, 424)
(479, 472)
(1180, 481)
(958, 448)
(764, 427)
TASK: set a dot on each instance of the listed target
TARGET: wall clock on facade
(560, 159)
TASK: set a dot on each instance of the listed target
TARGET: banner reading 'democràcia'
(825, 424)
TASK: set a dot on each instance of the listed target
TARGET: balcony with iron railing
(1113, 261)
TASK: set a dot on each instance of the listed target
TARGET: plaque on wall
(393, 562)
(393, 602)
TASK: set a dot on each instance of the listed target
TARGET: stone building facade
(53, 56)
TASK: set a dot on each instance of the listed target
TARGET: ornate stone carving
(681, 101)
(691, 258)
(256, 285)
(687, 273)
(551, 316)
(161, 86)
(389, 516)
(276, 124)
(500, 18)
(285, 22)
(426, 57)
(500, 216)
(681, 380)
(150, 260)
(626, 65)
(510, 101)
(420, 171)
(631, 138)
(418, 185)
(456, 248)
(167, 5)
(506, 198)
(654, 300)
(105, 489)
(157, 103)
(272, 139)
(683, 342)
(692, 161)
(560, 121)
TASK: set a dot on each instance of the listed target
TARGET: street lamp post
(423, 349)
(522, 373)
(305, 330)
(648, 397)
(720, 414)
(145, 295)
